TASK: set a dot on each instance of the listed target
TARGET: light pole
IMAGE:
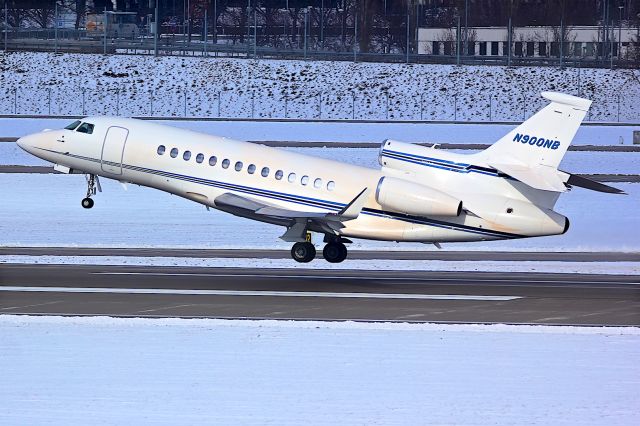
(306, 19)
(6, 25)
(355, 34)
(55, 28)
(620, 33)
(322, 23)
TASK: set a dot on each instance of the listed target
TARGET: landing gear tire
(303, 252)
(334, 252)
(87, 203)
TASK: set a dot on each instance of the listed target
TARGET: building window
(238, 166)
(542, 48)
(225, 163)
(213, 160)
(199, 158)
(265, 172)
(471, 48)
(448, 48)
(174, 152)
(161, 149)
(279, 174)
(331, 185)
(531, 48)
(494, 48)
(186, 156)
(435, 47)
(292, 177)
(483, 48)
(505, 48)
(518, 50)
(317, 183)
(251, 169)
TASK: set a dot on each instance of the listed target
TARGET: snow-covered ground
(345, 131)
(43, 83)
(78, 371)
(606, 268)
(575, 162)
(44, 210)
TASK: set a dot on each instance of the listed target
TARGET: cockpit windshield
(73, 125)
(85, 128)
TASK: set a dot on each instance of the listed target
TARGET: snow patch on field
(44, 210)
(73, 371)
(134, 85)
(607, 268)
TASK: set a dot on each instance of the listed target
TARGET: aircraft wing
(297, 222)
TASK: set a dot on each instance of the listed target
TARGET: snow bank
(73, 371)
(44, 83)
(44, 210)
(344, 131)
(607, 268)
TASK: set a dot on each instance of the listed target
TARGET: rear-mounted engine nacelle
(403, 196)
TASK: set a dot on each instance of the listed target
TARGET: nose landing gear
(92, 184)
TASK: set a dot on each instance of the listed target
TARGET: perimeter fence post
(253, 103)
(524, 107)
(618, 108)
(117, 102)
(219, 94)
(320, 106)
(455, 107)
(387, 93)
(185, 100)
(83, 102)
(353, 106)
(15, 101)
(490, 107)
(151, 103)
(421, 106)
(286, 106)
(49, 97)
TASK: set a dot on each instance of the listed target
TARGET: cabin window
(292, 177)
(225, 163)
(85, 128)
(279, 174)
(73, 125)
(317, 183)
(161, 149)
(251, 169)
(186, 156)
(304, 180)
(199, 158)
(331, 185)
(174, 152)
(265, 172)
(238, 166)
(213, 160)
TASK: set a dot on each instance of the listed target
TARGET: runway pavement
(571, 299)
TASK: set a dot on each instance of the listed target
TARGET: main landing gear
(92, 184)
(333, 252)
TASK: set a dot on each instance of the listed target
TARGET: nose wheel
(335, 252)
(87, 203)
(93, 185)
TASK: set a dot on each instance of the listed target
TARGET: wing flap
(540, 177)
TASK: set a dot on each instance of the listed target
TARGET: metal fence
(311, 105)
(79, 41)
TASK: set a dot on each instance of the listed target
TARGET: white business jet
(420, 194)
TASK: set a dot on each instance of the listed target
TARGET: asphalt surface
(452, 297)
(353, 254)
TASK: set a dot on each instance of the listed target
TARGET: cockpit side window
(85, 128)
(73, 125)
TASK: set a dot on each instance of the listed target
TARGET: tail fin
(543, 139)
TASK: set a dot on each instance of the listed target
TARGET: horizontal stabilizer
(582, 182)
(541, 177)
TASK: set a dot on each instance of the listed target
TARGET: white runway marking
(366, 278)
(260, 293)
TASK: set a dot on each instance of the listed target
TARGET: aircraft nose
(26, 142)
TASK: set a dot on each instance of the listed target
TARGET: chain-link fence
(314, 105)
